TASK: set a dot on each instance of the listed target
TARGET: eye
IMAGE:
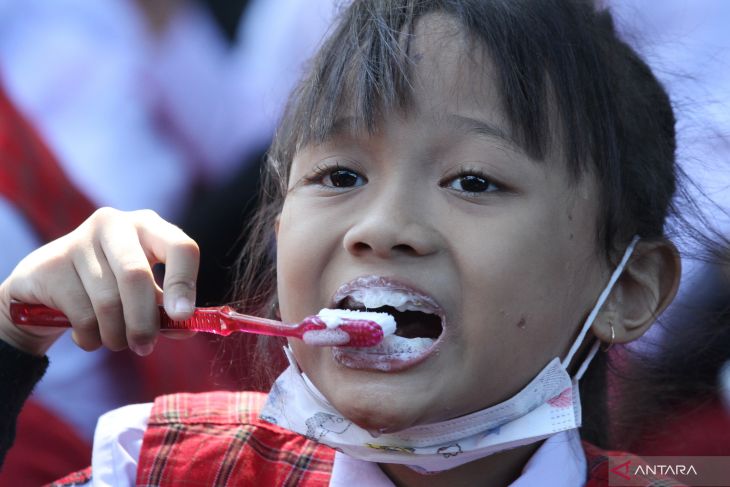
(471, 183)
(334, 176)
(342, 178)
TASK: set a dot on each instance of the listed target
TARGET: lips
(419, 318)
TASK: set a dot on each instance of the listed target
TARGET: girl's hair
(565, 79)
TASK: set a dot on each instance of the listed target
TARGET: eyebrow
(482, 128)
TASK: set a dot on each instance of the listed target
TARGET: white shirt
(559, 462)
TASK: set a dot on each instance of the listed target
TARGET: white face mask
(548, 405)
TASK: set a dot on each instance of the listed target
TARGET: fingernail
(143, 350)
(182, 305)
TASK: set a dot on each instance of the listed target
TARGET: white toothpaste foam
(333, 318)
(381, 357)
(401, 345)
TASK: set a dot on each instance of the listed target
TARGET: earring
(613, 336)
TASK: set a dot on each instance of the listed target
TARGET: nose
(393, 224)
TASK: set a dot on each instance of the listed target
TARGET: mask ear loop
(594, 312)
(307, 382)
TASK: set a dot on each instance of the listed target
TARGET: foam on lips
(402, 346)
(372, 292)
(405, 304)
(334, 336)
(394, 352)
(392, 349)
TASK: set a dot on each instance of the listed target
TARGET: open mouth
(410, 323)
(419, 324)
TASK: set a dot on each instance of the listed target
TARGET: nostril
(405, 249)
(363, 248)
(359, 247)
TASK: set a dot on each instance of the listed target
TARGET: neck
(496, 470)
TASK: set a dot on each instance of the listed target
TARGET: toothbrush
(223, 320)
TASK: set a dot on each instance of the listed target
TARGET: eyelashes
(335, 176)
(472, 182)
(467, 181)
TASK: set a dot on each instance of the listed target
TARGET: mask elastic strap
(313, 391)
(596, 309)
(584, 366)
(290, 358)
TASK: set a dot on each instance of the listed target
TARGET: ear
(646, 287)
(277, 220)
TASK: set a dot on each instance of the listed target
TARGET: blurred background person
(161, 104)
(687, 44)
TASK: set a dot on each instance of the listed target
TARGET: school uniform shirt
(218, 439)
(118, 443)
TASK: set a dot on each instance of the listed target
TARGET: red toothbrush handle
(37, 314)
(219, 320)
(40, 315)
(204, 319)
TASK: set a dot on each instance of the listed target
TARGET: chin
(376, 401)
(375, 413)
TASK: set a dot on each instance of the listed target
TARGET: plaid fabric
(31, 178)
(217, 439)
(598, 474)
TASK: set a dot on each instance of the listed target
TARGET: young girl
(496, 175)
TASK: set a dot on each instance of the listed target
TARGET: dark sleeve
(19, 373)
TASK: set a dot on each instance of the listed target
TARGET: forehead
(450, 68)
(451, 80)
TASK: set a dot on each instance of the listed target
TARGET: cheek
(297, 264)
(530, 287)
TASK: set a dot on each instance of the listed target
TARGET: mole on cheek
(522, 324)
(570, 219)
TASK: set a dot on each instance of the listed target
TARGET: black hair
(615, 118)
(562, 72)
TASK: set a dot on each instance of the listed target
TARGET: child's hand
(100, 277)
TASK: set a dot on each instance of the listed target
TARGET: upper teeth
(333, 318)
(371, 298)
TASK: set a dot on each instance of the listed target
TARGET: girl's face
(439, 202)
